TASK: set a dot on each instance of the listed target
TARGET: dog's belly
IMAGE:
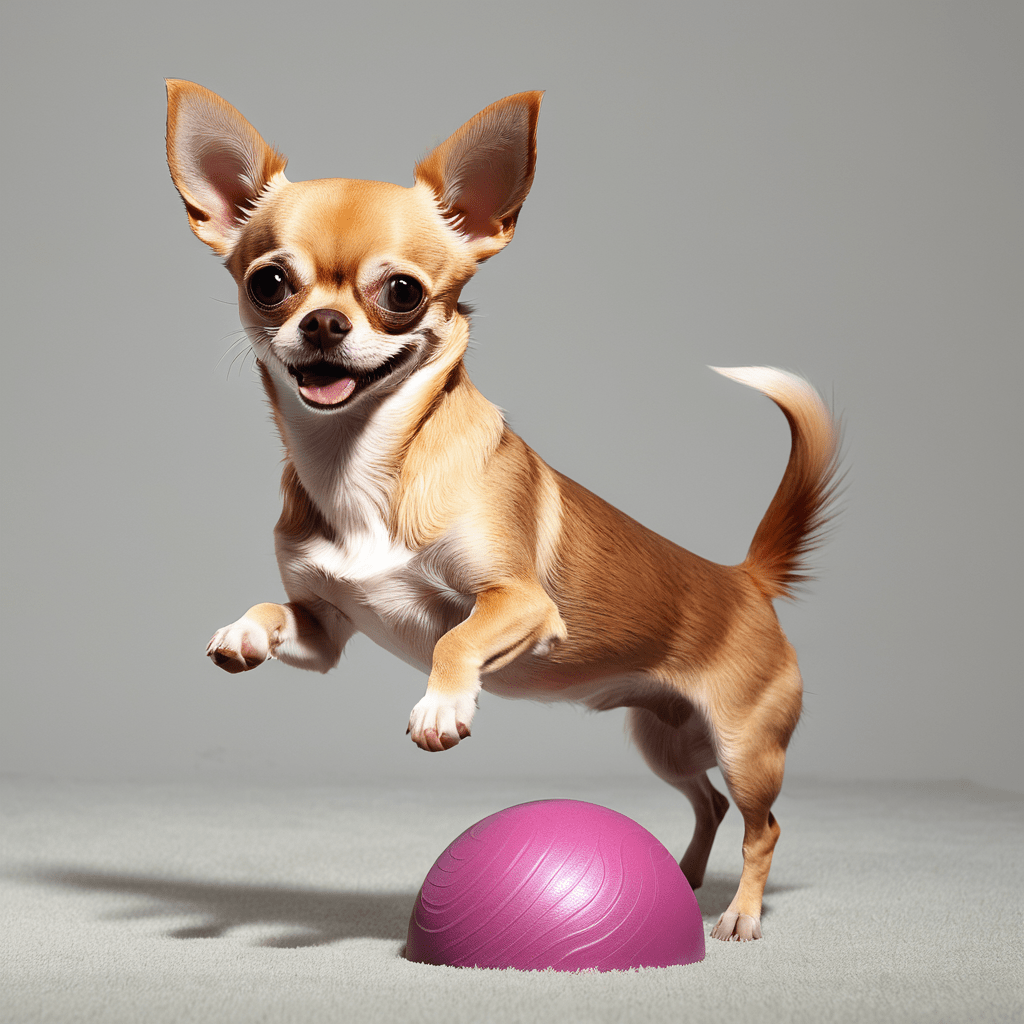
(531, 677)
(534, 678)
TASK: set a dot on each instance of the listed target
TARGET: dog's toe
(437, 723)
(239, 647)
(732, 925)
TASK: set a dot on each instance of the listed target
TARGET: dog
(413, 514)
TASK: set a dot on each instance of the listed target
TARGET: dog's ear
(219, 162)
(482, 174)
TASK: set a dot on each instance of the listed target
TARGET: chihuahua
(413, 514)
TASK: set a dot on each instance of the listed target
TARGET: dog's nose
(325, 328)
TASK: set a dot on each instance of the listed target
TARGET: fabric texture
(181, 903)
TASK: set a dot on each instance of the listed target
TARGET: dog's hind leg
(754, 779)
(678, 754)
(709, 806)
(752, 756)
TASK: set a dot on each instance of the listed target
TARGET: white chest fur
(403, 600)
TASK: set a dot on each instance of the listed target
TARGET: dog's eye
(269, 286)
(401, 294)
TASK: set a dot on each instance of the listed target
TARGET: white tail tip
(769, 381)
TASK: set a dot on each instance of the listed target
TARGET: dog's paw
(239, 647)
(741, 927)
(438, 722)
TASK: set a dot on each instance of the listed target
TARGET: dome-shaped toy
(557, 884)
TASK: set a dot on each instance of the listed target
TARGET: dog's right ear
(219, 163)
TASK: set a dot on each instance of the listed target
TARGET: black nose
(325, 328)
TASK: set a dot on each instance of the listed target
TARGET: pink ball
(556, 883)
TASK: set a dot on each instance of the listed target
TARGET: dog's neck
(390, 462)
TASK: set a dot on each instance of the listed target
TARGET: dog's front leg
(299, 635)
(506, 621)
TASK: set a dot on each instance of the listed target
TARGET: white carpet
(145, 903)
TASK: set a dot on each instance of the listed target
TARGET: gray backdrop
(832, 188)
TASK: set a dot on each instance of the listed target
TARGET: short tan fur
(413, 514)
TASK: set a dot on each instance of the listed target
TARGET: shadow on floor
(715, 895)
(306, 917)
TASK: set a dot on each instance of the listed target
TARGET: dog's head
(346, 287)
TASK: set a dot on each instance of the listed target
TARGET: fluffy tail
(803, 505)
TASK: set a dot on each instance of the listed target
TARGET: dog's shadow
(718, 890)
(304, 917)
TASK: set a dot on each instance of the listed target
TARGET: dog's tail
(804, 503)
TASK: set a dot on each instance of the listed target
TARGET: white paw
(732, 925)
(438, 722)
(239, 647)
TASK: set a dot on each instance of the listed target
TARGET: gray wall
(832, 188)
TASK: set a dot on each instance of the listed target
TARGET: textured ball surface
(557, 884)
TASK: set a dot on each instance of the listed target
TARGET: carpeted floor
(161, 904)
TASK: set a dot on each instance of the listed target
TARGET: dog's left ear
(482, 174)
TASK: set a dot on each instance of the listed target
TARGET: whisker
(237, 343)
(243, 353)
(242, 347)
(253, 368)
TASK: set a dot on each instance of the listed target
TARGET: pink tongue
(330, 394)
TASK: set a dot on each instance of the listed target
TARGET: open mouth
(324, 385)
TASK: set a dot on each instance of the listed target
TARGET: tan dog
(413, 514)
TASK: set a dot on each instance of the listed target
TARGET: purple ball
(557, 884)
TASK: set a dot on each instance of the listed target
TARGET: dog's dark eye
(401, 294)
(269, 286)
